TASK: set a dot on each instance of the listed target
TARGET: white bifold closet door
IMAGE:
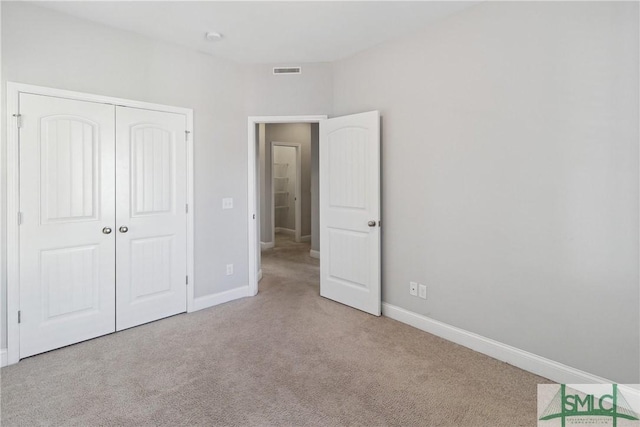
(151, 243)
(103, 228)
(67, 200)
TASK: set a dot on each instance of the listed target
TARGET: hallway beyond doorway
(288, 251)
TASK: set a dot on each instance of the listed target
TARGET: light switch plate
(227, 203)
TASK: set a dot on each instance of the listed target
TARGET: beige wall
(309, 93)
(315, 187)
(510, 186)
(46, 48)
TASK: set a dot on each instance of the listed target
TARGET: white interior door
(151, 219)
(350, 210)
(67, 242)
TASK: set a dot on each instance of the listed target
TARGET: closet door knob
(106, 230)
(371, 223)
(124, 229)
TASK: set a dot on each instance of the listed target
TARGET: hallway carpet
(284, 358)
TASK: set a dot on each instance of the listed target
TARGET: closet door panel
(67, 200)
(151, 217)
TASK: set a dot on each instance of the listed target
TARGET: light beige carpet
(284, 358)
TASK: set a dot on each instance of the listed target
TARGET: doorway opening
(347, 184)
(283, 189)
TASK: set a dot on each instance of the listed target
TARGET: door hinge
(18, 120)
(19, 316)
(186, 282)
(254, 216)
(379, 223)
(186, 208)
(186, 135)
(19, 218)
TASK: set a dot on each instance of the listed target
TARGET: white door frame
(253, 247)
(298, 201)
(13, 194)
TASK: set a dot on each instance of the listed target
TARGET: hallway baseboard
(285, 231)
(314, 254)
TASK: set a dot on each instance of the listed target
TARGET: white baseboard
(314, 254)
(260, 275)
(285, 231)
(3, 357)
(219, 298)
(306, 238)
(533, 363)
(266, 245)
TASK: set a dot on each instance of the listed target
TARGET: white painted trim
(207, 301)
(13, 192)
(266, 245)
(522, 359)
(82, 96)
(282, 230)
(3, 269)
(13, 203)
(298, 190)
(314, 254)
(259, 275)
(191, 268)
(306, 238)
(252, 194)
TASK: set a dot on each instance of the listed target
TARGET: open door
(350, 210)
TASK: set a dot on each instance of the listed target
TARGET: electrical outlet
(227, 203)
(422, 291)
(413, 288)
(229, 269)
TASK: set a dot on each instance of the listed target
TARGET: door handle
(106, 230)
(124, 229)
(371, 223)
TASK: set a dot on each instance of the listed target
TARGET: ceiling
(267, 31)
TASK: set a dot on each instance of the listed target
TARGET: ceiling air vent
(287, 70)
